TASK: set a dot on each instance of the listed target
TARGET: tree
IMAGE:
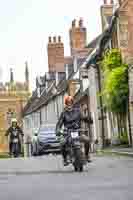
(115, 86)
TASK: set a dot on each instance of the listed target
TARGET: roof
(103, 40)
(109, 18)
(94, 42)
(36, 103)
(79, 95)
(80, 61)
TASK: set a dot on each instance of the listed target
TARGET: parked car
(46, 141)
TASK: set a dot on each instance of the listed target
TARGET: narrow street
(45, 178)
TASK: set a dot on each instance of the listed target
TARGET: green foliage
(112, 59)
(115, 84)
(124, 138)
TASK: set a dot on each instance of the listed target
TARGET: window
(85, 83)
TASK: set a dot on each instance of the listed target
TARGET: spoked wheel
(78, 163)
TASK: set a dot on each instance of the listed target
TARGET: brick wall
(55, 54)
(78, 36)
(106, 11)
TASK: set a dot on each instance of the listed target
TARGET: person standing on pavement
(34, 143)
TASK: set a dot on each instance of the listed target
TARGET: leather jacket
(11, 132)
(71, 119)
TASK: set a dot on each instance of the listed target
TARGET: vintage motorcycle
(73, 148)
(15, 151)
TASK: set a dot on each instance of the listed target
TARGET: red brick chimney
(108, 2)
(78, 36)
(55, 50)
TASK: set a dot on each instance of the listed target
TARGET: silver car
(45, 141)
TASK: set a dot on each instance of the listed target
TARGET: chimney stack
(74, 23)
(50, 39)
(111, 1)
(81, 23)
(78, 37)
(106, 12)
(107, 2)
(54, 39)
(55, 50)
(59, 39)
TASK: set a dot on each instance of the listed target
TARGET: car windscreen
(44, 131)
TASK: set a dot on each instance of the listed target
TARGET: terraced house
(80, 75)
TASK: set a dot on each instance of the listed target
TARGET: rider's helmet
(14, 122)
(68, 100)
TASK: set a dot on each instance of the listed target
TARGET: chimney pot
(74, 23)
(105, 1)
(59, 39)
(111, 1)
(54, 39)
(49, 39)
(81, 22)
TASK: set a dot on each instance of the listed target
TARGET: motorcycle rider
(71, 118)
(10, 132)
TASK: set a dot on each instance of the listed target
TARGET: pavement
(107, 177)
(125, 151)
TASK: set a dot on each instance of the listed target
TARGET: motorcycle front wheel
(15, 150)
(78, 163)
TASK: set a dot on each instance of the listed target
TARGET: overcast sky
(26, 24)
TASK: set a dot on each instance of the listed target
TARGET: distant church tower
(26, 75)
(11, 76)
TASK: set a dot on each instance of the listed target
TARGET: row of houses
(82, 79)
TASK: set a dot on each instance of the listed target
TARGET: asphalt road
(44, 178)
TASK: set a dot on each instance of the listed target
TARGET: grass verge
(4, 155)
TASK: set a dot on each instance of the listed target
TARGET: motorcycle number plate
(15, 140)
(74, 134)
